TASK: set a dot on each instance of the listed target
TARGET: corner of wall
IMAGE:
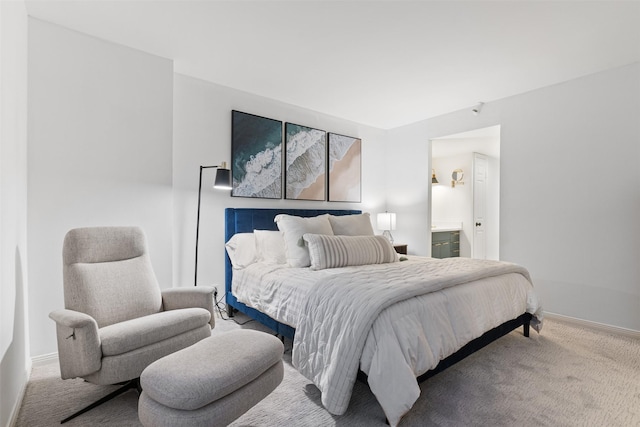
(14, 362)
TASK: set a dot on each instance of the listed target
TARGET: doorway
(465, 201)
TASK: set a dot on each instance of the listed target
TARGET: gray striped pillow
(341, 251)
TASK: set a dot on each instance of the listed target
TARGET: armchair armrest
(79, 348)
(197, 296)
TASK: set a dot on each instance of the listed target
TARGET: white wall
(14, 346)
(570, 189)
(100, 153)
(492, 222)
(408, 176)
(202, 136)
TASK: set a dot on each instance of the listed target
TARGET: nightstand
(401, 249)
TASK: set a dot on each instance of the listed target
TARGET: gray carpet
(567, 376)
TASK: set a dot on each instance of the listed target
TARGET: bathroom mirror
(457, 177)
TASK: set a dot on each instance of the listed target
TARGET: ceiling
(379, 63)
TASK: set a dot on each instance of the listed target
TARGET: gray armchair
(116, 319)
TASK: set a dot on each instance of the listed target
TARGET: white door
(480, 165)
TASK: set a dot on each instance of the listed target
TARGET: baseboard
(33, 362)
(617, 330)
(44, 359)
(15, 411)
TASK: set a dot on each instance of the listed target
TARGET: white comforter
(339, 314)
(405, 339)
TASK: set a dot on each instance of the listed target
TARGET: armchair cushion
(113, 292)
(197, 296)
(108, 274)
(136, 333)
(103, 244)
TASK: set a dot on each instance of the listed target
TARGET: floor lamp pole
(195, 279)
(223, 181)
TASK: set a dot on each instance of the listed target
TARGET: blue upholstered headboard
(245, 220)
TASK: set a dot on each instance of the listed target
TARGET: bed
(390, 322)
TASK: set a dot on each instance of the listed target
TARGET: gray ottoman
(213, 382)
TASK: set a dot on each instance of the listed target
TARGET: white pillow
(351, 225)
(344, 251)
(241, 248)
(270, 246)
(293, 228)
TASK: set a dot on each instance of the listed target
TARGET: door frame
(494, 154)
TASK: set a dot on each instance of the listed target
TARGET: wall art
(345, 164)
(256, 156)
(305, 163)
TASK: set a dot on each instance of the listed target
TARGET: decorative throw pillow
(241, 249)
(351, 225)
(344, 251)
(270, 246)
(293, 228)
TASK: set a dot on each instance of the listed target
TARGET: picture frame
(305, 163)
(256, 156)
(344, 160)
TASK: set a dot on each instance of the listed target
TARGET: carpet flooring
(566, 376)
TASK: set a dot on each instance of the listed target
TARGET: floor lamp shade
(222, 182)
(223, 179)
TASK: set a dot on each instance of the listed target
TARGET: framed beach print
(305, 162)
(345, 164)
(256, 156)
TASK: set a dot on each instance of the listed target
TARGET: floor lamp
(222, 182)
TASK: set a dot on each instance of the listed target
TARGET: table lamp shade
(386, 221)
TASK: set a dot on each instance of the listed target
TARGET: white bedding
(275, 289)
(400, 343)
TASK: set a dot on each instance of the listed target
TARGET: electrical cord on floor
(222, 307)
